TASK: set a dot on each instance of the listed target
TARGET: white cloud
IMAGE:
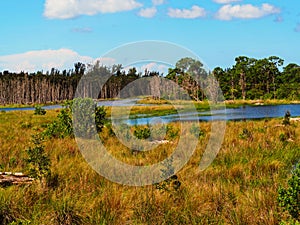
(66, 9)
(154, 66)
(105, 61)
(150, 66)
(194, 12)
(158, 2)
(248, 11)
(148, 12)
(33, 61)
(226, 1)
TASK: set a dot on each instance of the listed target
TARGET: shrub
(246, 134)
(142, 132)
(26, 125)
(172, 132)
(289, 198)
(196, 131)
(283, 137)
(37, 161)
(38, 110)
(87, 113)
(286, 118)
(87, 117)
(62, 126)
(171, 180)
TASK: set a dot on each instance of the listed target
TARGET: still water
(241, 113)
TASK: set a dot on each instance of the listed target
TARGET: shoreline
(228, 103)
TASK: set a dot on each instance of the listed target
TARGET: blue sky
(41, 34)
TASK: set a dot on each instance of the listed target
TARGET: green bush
(171, 181)
(62, 126)
(142, 132)
(196, 131)
(26, 125)
(286, 119)
(38, 110)
(246, 134)
(289, 198)
(283, 137)
(37, 161)
(87, 117)
(172, 132)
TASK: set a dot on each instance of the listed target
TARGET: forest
(248, 78)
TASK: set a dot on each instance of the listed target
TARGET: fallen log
(9, 178)
(295, 119)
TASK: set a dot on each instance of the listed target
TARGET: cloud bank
(158, 2)
(226, 1)
(247, 11)
(45, 60)
(148, 12)
(67, 9)
(194, 12)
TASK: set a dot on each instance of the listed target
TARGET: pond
(240, 113)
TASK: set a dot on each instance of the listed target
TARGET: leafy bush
(172, 132)
(289, 198)
(87, 117)
(171, 180)
(246, 134)
(62, 126)
(283, 137)
(38, 110)
(286, 118)
(196, 131)
(142, 132)
(37, 160)
(26, 125)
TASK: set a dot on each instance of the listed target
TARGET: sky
(44, 34)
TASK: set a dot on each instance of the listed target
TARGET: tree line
(248, 78)
(263, 78)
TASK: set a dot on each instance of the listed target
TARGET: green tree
(289, 82)
(242, 68)
(38, 110)
(289, 198)
(37, 160)
(88, 118)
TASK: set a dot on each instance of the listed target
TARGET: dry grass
(240, 187)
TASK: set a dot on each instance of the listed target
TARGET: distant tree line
(263, 78)
(249, 78)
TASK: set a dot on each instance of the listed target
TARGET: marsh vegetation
(240, 187)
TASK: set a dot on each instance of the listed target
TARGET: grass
(240, 187)
(237, 103)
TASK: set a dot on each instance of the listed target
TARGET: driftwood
(9, 178)
(295, 119)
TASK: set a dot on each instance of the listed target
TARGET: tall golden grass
(240, 187)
